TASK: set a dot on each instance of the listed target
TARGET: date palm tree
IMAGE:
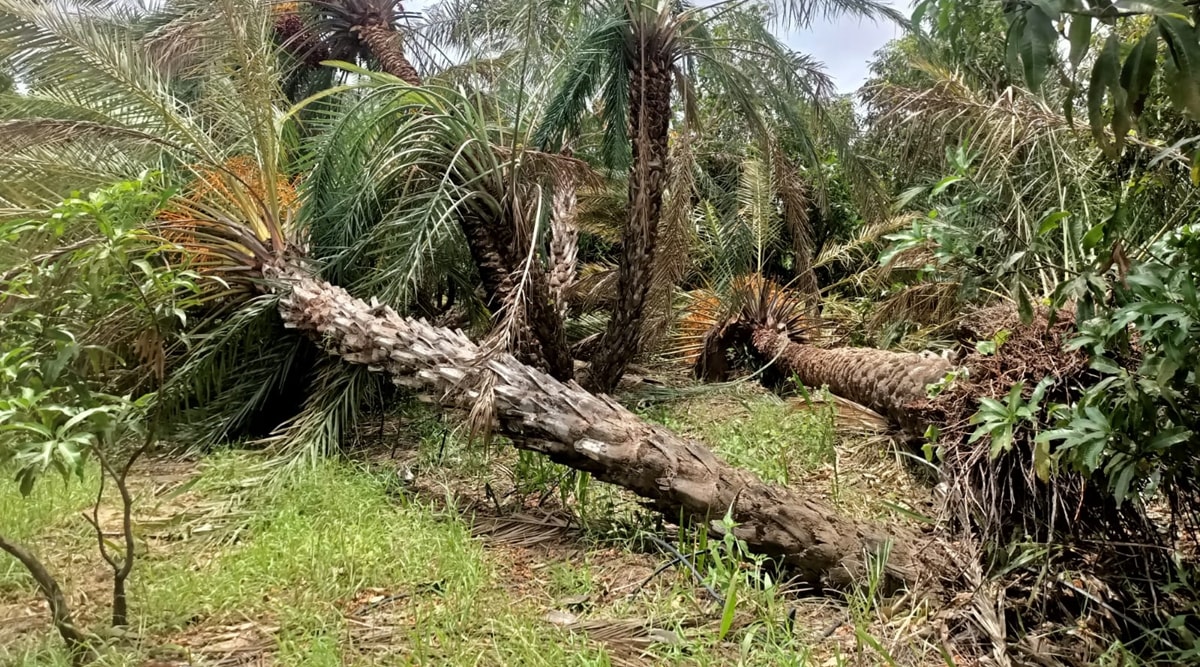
(633, 57)
(366, 29)
(757, 314)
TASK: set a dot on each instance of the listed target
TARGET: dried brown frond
(547, 167)
(595, 285)
(928, 303)
(1004, 493)
(22, 134)
(793, 193)
(859, 245)
(676, 238)
(712, 320)
(522, 530)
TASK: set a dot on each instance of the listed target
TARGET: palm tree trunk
(590, 433)
(887, 382)
(499, 255)
(564, 241)
(649, 121)
(387, 46)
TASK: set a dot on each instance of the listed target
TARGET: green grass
(51, 512)
(294, 558)
(773, 439)
(309, 548)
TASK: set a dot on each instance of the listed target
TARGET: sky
(845, 46)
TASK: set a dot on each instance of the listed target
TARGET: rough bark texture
(649, 120)
(590, 433)
(387, 46)
(59, 612)
(887, 382)
(564, 241)
(499, 254)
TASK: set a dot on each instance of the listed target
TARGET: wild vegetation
(359, 335)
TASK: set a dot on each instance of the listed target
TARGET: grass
(344, 564)
(310, 549)
(773, 439)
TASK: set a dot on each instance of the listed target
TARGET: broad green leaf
(1183, 46)
(1154, 8)
(1051, 222)
(1036, 44)
(1094, 441)
(1093, 237)
(730, 610)
(1001, 441)
(1120, 485)
(1105, 365)
(943, 184)
(72, 460)
(1104, 78)
(1138, 72)
(26, 477)
(1080, 35)
(1170, 438)
(84, 415)
(1042, 459)
(30, 427)
(1014, 394)
(1024, 302)
(1012, 51)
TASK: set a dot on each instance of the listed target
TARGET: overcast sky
(846, 46)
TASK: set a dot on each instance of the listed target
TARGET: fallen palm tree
(595, 434)
(768, 320)
(999, 471)
(980, 420)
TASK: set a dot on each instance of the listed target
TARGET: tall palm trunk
(887, 382)
(499, 253)
(564, 241)
(387, 46)
(589, 433)
(649, 121)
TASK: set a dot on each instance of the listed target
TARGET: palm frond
(598, 64)
(863, 239)
(338, 396)
(802, 13)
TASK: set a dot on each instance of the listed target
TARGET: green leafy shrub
(1139, 424)
(89, 309)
